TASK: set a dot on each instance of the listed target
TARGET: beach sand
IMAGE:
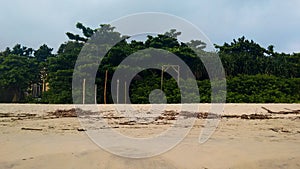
(31, 138)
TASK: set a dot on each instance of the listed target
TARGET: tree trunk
(16, 95)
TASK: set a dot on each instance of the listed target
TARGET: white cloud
(35, 22)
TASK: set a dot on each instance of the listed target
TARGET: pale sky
(267, 22)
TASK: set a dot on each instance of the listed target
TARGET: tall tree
(43, 53)
(17, 73)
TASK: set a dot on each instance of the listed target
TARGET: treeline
(253, 73)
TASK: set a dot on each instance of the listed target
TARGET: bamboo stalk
(105, 83)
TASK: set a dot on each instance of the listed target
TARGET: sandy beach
(247, 136)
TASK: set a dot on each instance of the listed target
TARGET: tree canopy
(254, 73)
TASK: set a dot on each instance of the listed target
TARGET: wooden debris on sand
(74, 112)
(282, 112)
(207, 115)
(280, 129)
(255, 116)
(19, 116)
(168, 115)
(172, 115)
(2, 115)
(64, 113)
(33, 129)
(81, 129)
(130, 122)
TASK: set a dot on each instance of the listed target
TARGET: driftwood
(282, 112)
(81, 129)
(28, 128)
(6, 115)
(63, 113)
(255, 116)
(230, 116)
(280, 130)
(131, 122)
(20, 116)
(170, 113)
(207, 115)
(74, 112)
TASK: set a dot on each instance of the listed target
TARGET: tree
(60, 72)
(198, 44)
(22, 50)
(61, 67)
(254, 73)
(43, 53)
(244, 57)
(17, 73)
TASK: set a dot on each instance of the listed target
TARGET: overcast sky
(35, 22)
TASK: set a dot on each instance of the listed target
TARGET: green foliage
(16, 74)
(43, 53)
(247, 57)
(21, 50)
(141, 89)
(263, 89)
(60, 73)
(254, 74)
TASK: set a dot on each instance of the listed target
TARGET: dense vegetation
(253, 73)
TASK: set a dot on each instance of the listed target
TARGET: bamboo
(118, 84)
(105, 83)
(83, 91)
(95, 93)
(125, 92)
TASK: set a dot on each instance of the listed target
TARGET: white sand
(236, 143)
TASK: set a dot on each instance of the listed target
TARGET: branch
(282, 112)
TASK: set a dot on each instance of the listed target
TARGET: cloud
(33, 23)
